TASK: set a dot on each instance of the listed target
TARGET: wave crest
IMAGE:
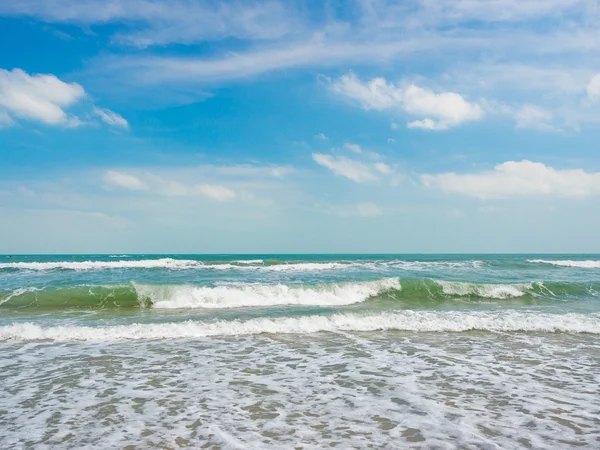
(386, 292)
(185, 296)
(589, 264)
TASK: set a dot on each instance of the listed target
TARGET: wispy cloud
(357, 171)
(167, 21)
(353, 147)
(348, 168)
(218, 193)
(356, 210)
(110, 117)
(125, 181)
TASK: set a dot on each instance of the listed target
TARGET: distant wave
(166, 263)
(387, 292)
(416, 321)
(255, 264)
(589, 264)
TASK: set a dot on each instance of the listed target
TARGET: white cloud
(518, 178)
(427, 124)
(125, 180)
(445, 109)
(593, 88)
(110, 117)
(44, 98)
(320, 137)
(348, 168)
(218, 193)
(38, 97)
(353, 148)
(360, 210)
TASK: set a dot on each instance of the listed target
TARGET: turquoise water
(312, 351)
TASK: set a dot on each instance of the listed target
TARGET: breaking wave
(589, 264)
(389, 292)
(185, 296)
(416, 321)
(253, 264)
(162, 263)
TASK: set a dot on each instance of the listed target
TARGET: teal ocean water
(300, 351)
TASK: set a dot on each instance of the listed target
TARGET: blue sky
(196, 126)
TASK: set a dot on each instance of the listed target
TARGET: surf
(414, 321)
(381, 293)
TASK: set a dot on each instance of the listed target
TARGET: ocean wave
(589, 264)
(385, 292)
(245, 265)
(415, 321)
(499, 291)
(186, 296)
(164, 263)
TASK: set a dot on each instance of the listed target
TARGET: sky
(264, 126)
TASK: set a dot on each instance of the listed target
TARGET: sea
(300, 351)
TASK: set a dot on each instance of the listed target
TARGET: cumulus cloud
(517, 178)
(348, 168)
(110, 117)
(218, 193)
(441, 110)
(125, 181)
(320, 137)
(38, 97)
(593, 88)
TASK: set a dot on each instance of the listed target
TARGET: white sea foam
(167, 263)
(186, 296)
(589, 264)
(485, 290)
(429, 265)
(418, 321)
(343, 390)
(247, 265)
